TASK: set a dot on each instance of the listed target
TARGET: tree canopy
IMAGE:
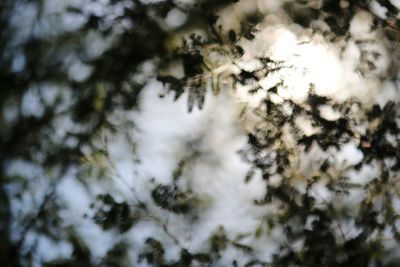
(199, 133)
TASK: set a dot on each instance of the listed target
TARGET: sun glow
(310, 64)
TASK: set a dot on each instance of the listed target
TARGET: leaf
(116, 256)
(111, 214)
(219, 240)
(202, 257)
(154, 252)
(249, 176)
(179, 170)
(170, 198)
(244, 248)
(232, 36)
(259, 231)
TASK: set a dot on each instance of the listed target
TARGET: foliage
(38, 62)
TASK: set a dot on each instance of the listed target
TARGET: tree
(100, 167)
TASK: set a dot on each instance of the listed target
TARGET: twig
(141, 205)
